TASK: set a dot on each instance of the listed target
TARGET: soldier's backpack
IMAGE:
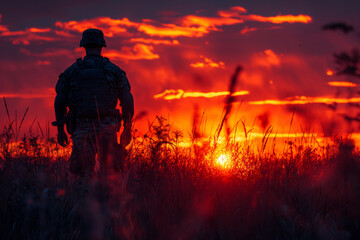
(93, 91)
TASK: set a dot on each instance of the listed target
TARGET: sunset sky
(179, 57)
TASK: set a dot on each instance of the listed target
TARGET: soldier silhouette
(87, 95)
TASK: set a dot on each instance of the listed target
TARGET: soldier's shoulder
(63, 84)
(72, 68)
(114, 66)
(118, 73)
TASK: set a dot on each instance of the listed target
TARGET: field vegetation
(210, 189)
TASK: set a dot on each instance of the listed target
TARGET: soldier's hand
(125, 137)
(62, 137)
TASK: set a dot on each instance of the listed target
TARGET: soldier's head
(92, 38)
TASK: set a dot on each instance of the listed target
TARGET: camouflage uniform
(90, 89)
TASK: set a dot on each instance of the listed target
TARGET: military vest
(92, 88)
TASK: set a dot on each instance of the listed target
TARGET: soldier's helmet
(92, 37)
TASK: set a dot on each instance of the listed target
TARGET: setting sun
(223, 161)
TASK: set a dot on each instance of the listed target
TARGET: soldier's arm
(60, 103)
(127, 109)
(126, 98)
(127, 104)
(60, 110)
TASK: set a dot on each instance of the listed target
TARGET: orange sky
(179, 63)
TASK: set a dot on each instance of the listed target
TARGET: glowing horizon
(172, 94)
(342, 84)
(305, 100)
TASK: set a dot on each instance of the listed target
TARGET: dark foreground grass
(169, 192)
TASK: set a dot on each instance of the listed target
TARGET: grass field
(233, 190)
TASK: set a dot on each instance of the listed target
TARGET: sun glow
(223, 161)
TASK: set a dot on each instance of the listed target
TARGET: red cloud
(208, 63)
(139, 51)
(190, 26)
(234, 12)
(39, 30)
(172, 30)
(155, 41)
(49, 53)
(208, 23)
(109, 26)
(26, 36)
(2, 27)
(246, 30)
(279, 19)
(266, 59)
(198, 26)
(186, 26)
(39, 62)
